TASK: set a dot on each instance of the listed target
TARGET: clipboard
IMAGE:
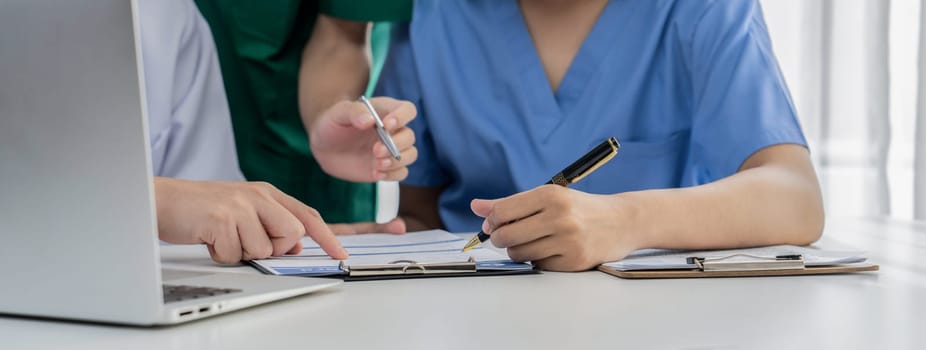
(407, 269)
(746, 264)
(422, 254)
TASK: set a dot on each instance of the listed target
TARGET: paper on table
(661, 259)
(423, 247)
(433, 241)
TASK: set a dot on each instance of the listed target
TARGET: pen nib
(473, 243)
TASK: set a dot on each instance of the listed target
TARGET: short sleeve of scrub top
(690, 88)
(742, 101)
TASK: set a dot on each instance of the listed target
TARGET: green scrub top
(260, 46)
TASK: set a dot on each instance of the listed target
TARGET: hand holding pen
(366, 140)
(571, 174)
(557, 228)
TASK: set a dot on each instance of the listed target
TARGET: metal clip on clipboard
(409, 267)
(736, 262)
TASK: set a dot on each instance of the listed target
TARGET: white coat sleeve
(188, 116)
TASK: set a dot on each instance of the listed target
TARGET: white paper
(423, 247)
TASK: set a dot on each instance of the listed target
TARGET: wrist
(161, 185)
(161, 191)
(633, 220)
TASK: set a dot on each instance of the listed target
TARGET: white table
(884, 310)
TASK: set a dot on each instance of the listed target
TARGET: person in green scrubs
(293, 70)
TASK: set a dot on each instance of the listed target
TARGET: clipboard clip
(748, 262)
(409, 267)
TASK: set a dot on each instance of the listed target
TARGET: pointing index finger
(315, 226)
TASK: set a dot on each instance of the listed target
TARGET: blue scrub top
(691, 89)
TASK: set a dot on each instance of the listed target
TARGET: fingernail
(381, 176)
(361, 119)
(485, 226)
(385, 163)
(391, 123)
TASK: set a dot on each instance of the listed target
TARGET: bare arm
(773, 199)
(418, 206)
(334, 66)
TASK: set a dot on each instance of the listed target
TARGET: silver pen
(381, 130)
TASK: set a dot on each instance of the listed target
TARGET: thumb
(482, 207)
(362, 120)
(396, 226)
(351, 114)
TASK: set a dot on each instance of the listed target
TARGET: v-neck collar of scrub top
(550, 109)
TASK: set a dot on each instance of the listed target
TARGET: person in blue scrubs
(510, 92)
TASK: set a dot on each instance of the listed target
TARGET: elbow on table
(809, 223)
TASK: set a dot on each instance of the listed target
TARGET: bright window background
(832, 53)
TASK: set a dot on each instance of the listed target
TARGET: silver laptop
(77, 223)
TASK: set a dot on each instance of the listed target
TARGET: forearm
(764, 205)
(334, 66)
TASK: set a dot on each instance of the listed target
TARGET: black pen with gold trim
(571, 174)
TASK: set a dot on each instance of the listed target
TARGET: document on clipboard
(433, 253)
(780, 260)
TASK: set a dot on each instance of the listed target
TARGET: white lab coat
(188, 117)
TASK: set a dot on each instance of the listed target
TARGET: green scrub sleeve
(368, 10)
